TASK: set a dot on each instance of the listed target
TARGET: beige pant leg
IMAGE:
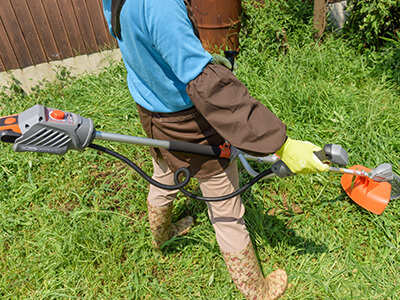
(226, 216)
(159, 197)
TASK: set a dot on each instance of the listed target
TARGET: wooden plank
(103, 37)
(7, 56)
(43, 28)
(72, 27)
(15, 35)
(58, 29)
(29, 31)
(2, 68)
(85, 26)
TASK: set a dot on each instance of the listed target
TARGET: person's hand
(223, 61)
(300, 158)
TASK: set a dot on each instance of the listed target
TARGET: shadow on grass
(273, 231)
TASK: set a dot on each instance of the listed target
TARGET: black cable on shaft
(228, 196)
(141, 172)
(186, 174)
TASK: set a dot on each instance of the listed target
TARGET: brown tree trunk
(319, 18)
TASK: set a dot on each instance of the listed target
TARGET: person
(182, 94)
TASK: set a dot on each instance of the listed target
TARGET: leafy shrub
(370, 20)
(269, 26)
(387, 61)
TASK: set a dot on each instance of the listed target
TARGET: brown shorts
(186, 126)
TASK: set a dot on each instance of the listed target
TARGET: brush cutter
(43, 129)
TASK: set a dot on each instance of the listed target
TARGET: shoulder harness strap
(116, 7)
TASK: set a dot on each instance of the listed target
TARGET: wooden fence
(38, 31)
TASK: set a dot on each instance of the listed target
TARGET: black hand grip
(194, 148)
(9, 136)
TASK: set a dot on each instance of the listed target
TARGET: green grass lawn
(75, 226)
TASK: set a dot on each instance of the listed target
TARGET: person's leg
(234, 239)
(160, 205)
(226, 216)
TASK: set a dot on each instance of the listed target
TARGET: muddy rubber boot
(161, 225)
(246, 274)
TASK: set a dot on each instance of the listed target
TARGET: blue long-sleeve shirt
(160, 52)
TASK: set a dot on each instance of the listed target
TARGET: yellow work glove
(223, 61)
(300, 158)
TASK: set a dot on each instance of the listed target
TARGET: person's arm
(246, 123)
(239, 118)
